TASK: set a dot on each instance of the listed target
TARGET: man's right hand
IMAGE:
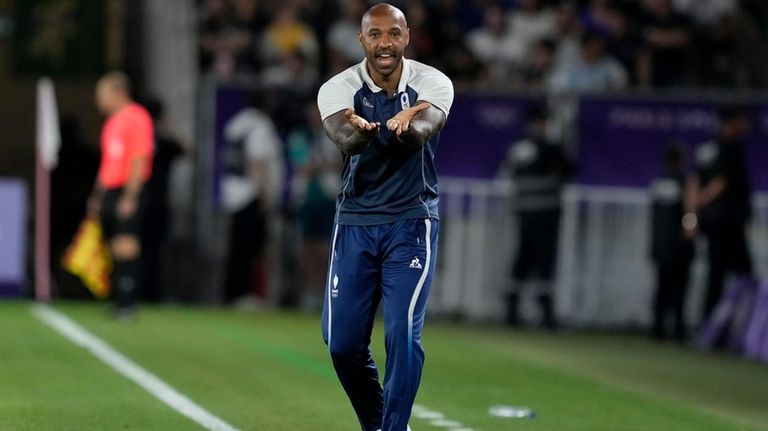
(350, 132)
(361, 125)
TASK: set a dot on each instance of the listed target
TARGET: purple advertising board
(620, 141)
(13, 235)
(478, 133)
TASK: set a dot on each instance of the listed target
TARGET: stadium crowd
(550, 45)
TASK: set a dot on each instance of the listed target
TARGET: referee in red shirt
(127, 145)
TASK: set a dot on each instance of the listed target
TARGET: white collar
(401, 86)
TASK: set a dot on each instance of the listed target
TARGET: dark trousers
(392, 264)
(728, 254)
(126, 273)
(535, 259)
(537, 248)
(247, 238)
(671, 287)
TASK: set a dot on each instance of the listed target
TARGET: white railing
(604, 276)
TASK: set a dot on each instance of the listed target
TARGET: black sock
(125, 278)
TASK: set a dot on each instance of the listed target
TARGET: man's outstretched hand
(401, 122)
(361, 125)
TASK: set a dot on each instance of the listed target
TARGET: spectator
(593, 72)
(567, 36)
(288, 43)
(495, 47)
(667, 35)
(223, 41)
(671, 249)
(314, 187)
(530, 22)
(624, 44)
(718, 201)
(538, 169)
(341, 52)
(251, 184)
(539, 72)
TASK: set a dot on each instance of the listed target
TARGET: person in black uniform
(538, 169)
(671, 248)
(718, 202)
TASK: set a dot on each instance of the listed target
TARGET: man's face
(105, 96)
(384, 38)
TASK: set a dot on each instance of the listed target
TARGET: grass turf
(270, 371)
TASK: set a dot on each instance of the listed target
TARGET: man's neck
(387, 83)
(119, 106)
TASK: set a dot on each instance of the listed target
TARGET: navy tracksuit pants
(392, 264)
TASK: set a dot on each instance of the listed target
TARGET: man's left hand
(126, 206)
(401, 122)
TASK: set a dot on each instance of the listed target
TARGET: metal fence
(604, 277)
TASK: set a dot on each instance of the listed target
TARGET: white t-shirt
(261, 143)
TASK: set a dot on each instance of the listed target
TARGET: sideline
(78, 335)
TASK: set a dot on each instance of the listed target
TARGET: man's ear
(407, 37)
(360, 38)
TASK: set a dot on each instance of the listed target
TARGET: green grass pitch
(270, 371)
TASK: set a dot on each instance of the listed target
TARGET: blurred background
(577, 129)
(618, 82)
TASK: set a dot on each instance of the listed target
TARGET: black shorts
(112, 224)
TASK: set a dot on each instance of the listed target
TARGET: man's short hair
(117, 81)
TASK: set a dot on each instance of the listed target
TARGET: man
(718, 202)
(538, 169)
(671, 248)
(385, 115)
(126, 165)
(252, 181)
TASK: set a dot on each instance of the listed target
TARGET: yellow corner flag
(88, 258)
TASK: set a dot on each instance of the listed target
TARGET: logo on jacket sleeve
(415, 263)
(367, 103)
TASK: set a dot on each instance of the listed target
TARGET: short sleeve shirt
(387, 182)
(721, 159)
(126, 135)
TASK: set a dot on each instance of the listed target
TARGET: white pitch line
(437, 419)
(123, 365)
